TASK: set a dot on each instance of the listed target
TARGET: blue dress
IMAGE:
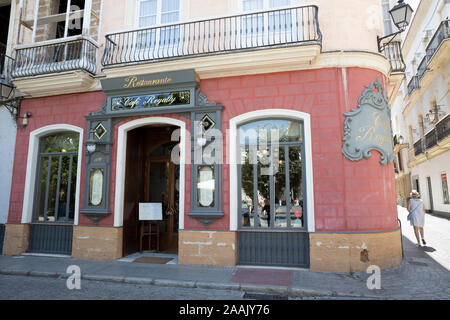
(417, 215)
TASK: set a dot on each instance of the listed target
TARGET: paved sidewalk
(418, 277)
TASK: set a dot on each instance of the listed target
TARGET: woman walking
(416, 215)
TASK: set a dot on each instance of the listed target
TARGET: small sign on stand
(150, 211)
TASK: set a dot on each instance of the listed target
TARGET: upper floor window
(54, 19)
(273, 22)
(155, 12)
(254, 5)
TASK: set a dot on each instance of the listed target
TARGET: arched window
(56, 178)
(271, 174)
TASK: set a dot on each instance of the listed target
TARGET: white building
(7, 123)
(420, 108)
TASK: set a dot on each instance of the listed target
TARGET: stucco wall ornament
(368, 127)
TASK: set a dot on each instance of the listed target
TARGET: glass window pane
(43, 174)
(63, 188)
(60, 142)
(295, 187)
(73, 185)
(148, 8)
(146, 39)
(252, 5)
(247, 192)
(52, 191)
(205, 186)
(279, 3)
(280, 187)
(253, 24)
(147, 21)
(170, 5)
(260, 131)
(280, 21)
(263, 189)
(169, 36)
(169, 17)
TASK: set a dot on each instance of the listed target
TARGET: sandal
(424, 243)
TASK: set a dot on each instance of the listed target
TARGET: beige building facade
(420, 112)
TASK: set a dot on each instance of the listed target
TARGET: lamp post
(401, 16)
(8, 99)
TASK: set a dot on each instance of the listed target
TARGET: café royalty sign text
(368, 127)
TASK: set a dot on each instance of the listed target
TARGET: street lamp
(401, 16)
(8, 98)
(433, 114)
(6, 89)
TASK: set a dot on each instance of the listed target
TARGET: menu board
(150, 211)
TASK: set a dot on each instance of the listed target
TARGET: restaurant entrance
(151, 176)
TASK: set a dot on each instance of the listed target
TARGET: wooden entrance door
(161, 177)
(148, 151)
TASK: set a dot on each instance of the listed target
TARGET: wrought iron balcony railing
(422, 68)
(413, 84)
(393, 53)
(6, 65)
(442, 33)
(58, 56)
(418, 147)
(282, 27)
(431, 139)
(443, 128)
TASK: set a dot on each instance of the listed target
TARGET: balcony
(56, 56)
(434, 142)
(6, 65)
(66, 64)
(413, 84)
(241, 33)
(422, 68)
(442, 33)
(418, 147)
(393, 53)
(443, 128)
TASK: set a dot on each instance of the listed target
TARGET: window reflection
(295, 187)
(56, 180)
(279, 180)
(263, 131)
(270, 174)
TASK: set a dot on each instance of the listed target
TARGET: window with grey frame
(270, 175)
(56, 178)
